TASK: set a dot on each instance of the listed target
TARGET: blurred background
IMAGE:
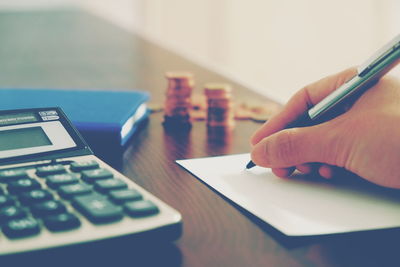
(272, 46)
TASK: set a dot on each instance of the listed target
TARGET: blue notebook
(104, 118)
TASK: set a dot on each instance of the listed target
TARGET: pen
(336, 102)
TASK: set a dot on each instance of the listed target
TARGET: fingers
(326, 171)
(283, 172)
(297, 105)
(305, 168)
(294, 147)
(323, 170)
(301, 102)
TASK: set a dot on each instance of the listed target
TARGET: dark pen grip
(303, 121)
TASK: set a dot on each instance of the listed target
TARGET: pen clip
(380, 55)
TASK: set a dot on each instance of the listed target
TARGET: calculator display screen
(23, 138)
(31, 133)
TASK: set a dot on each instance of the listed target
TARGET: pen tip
(250, 165)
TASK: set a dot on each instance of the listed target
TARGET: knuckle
(339, 144)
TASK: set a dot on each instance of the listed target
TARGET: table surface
(73, 49)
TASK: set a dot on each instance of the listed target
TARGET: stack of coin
(178, 99)
(220, 107)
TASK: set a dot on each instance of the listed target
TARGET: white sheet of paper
(298, 206)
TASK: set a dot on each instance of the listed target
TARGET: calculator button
(50, 207)
(6, 200)
(35, 196)
(122, 196)
(68, 191)
(50, 169)
(140, 208)
(22, 185)
(84, 165)
(50, 118)
(109, 184)
(21, 228)
(97, 208)
(90, 176)
(11, 212)
(9, 175)
(57, 180)
(61, 222)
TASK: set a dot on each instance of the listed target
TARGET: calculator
(54, 192)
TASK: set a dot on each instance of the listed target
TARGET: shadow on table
(118, 252)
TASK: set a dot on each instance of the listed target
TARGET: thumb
(292, 147)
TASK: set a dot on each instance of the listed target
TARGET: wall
(272, 46)
(275, 47)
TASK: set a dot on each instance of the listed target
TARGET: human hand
(364, 140)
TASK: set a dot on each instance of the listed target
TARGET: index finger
(301, 102)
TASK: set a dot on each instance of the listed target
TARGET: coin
(219, 105)
(177, 104)
(154, 107)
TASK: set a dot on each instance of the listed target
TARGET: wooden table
(72, 49)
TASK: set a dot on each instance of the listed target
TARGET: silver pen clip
(380, 55)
